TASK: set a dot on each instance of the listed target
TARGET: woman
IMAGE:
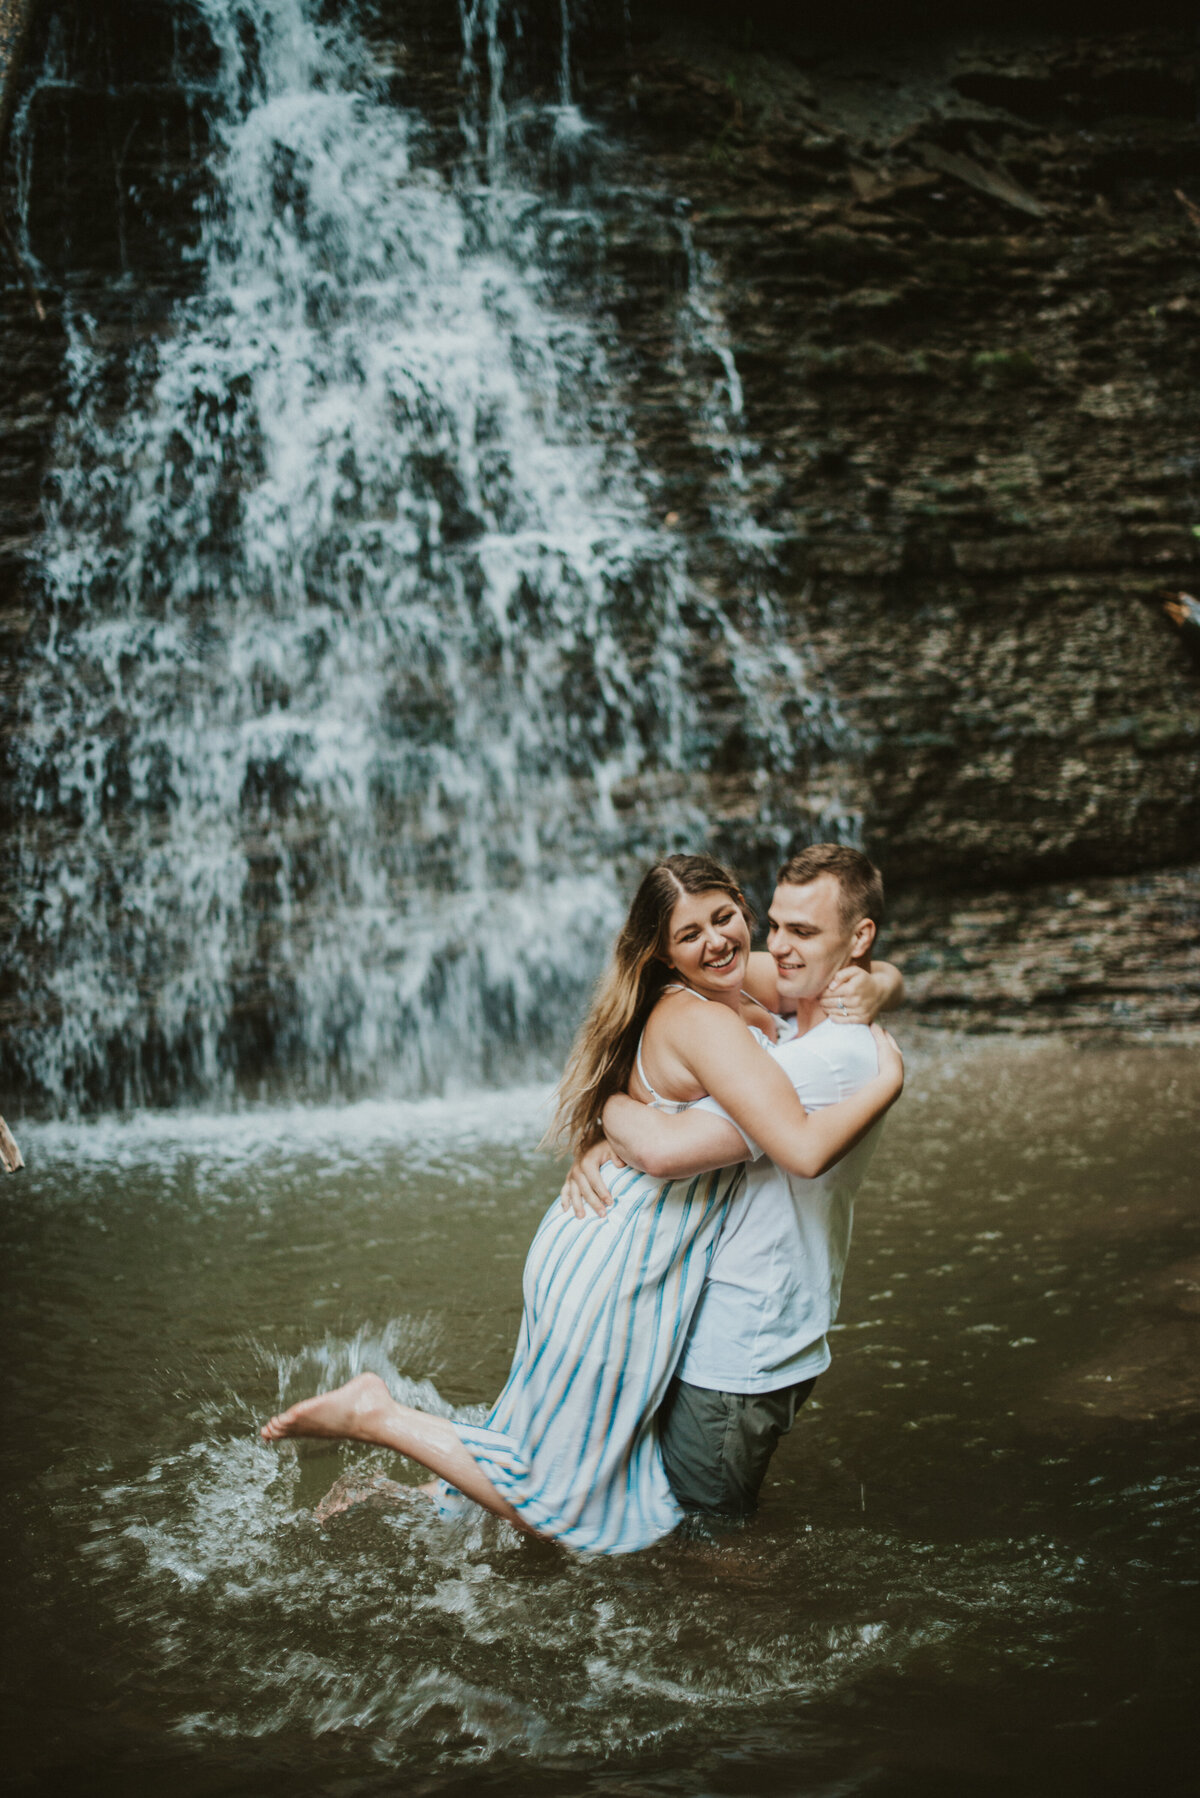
(570, 1449)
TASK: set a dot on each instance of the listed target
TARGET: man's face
(808, 938)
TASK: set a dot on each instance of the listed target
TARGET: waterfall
(368, 668)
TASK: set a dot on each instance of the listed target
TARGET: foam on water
(445, 1642)
(514, 1117)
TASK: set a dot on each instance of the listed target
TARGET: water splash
(367, 667)
(401, 1343)
(446, 1644)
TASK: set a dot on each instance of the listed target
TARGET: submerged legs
(363, 1410)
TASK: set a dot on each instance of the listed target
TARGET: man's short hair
(860, 882)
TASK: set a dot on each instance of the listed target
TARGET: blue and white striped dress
(572, 1441)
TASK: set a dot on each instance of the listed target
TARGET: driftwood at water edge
(11, 1157)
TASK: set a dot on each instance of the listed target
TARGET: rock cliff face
(963, 274)
(961, 277)
(961, 269)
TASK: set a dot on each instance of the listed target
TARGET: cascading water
(368, 667)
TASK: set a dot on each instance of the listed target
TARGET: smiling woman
(671, 926)
(709, 939)
(570, 1450)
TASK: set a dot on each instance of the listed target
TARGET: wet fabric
(717, 1446)
(572, 1441)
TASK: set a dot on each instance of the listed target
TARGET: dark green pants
(716, 1445)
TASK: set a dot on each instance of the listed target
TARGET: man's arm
(671, 1145)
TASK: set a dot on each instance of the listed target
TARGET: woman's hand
(891, 1062)
(858, 995)
(583, 1185)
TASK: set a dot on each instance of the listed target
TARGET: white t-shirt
(776, 1275)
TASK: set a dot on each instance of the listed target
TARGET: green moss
(1163, 730)
(1005, 368)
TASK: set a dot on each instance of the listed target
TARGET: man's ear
(861, 941)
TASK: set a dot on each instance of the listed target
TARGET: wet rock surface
(960, 275)
(1092, 955)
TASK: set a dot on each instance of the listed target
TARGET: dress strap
(661, 1104)
(655, 1100)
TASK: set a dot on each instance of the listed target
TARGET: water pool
(975, 1568)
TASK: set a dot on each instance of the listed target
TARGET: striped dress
(572, 1441)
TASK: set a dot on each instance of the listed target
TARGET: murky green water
(976, 1569)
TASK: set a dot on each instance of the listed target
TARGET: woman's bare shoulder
(691, 1019)
(681, 1005)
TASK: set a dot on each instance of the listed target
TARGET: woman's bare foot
(363, 1410)
(353, 1412)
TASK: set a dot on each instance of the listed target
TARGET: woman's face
(708, 942)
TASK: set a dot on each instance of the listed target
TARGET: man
(758, 1338)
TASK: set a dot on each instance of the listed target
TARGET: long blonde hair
(602, 1057)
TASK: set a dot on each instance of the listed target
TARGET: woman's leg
(363, 1410)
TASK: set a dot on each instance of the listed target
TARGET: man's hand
(856, 996)
(583, 1185)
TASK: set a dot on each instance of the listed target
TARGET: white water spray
(368, 669)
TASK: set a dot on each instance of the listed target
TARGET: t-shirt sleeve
(718, 1110)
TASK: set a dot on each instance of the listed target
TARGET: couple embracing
(721, 1106)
